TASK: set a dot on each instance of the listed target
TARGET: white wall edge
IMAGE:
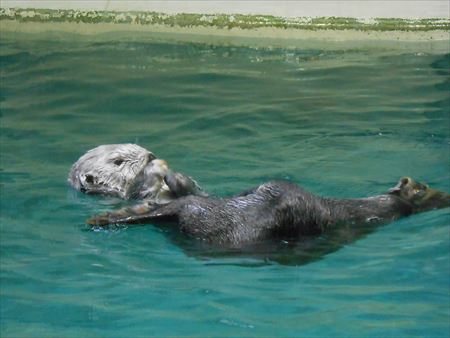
(364, 9)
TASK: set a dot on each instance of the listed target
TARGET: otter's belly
(224, 222)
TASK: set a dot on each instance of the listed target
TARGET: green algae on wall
(223, 21)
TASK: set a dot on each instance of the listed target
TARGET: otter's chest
(224, 221)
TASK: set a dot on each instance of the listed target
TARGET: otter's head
(124, 170)
(420, 196)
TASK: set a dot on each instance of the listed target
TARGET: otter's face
(421, 196)
(117, 169)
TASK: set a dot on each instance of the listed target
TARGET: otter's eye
(89, 179)
(119, 161)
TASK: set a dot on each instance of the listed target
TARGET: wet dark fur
(277, 210)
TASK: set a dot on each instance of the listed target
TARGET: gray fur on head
(131, 172)
(125, 170)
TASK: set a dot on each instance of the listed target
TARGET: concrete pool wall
(407, 9)
(279, 23)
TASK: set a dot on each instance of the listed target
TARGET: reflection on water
(340, 123)
(293, 251)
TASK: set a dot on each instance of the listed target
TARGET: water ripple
(341, 123)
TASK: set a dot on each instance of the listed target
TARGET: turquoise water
(344, 123)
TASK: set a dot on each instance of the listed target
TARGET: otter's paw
(99, 220)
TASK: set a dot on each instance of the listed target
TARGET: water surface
(343, 123)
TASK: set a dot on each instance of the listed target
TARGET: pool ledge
(223, 27)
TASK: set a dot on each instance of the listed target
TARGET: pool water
(340, 122)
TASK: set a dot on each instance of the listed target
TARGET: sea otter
(278, 209)
(130, 172)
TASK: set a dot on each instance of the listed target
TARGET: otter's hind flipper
(139, 214)
(181, 185)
